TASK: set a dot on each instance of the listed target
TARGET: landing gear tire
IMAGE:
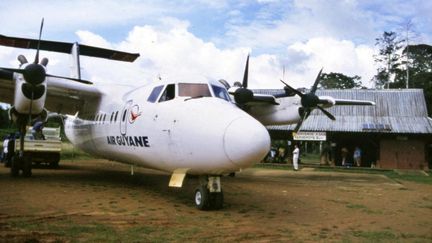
(15, 166)
(202, 198)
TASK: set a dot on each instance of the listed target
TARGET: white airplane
(196, 127)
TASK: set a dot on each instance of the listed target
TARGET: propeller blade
(328, 114)
(297, 127)
(22, 59)
(292, 89)
(315, 85)
(36, 61)
(68, 78)
(300, 123)
(246, 73)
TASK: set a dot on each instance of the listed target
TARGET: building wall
(402, 154)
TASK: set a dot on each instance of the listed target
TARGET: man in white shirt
(296, 153)
(5, 149)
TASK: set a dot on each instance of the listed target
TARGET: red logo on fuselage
(134, 113)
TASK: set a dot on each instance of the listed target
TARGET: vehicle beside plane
(197, 127)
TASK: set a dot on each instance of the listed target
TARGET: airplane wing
(353, 102)
(65, 97)
(262, 99)
(64, 47)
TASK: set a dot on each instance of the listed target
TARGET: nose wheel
(209, 195)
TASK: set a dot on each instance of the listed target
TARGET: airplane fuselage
(203, 135)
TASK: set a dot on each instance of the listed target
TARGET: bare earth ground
(99, 201)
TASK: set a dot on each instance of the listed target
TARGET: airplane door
(124, 117)
(170, 139)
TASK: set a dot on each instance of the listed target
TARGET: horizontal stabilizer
(64, 47)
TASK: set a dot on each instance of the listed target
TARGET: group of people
(279, 155)
(356, 157)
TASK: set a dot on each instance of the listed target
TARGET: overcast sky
(211, 39)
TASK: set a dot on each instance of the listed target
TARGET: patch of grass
(412, 178)
(418, 178)
(356, 206)
(376, 236)
(65, 228)
(363, 208)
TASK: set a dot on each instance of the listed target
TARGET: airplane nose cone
(246, 141)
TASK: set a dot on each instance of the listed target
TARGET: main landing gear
(209, 195)
(23, 163)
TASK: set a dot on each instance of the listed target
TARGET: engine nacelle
(14, 115)
(329, 101)
(289, 111)
(29, 97)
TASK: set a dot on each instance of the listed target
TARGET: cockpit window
(220, 92)
(168, 94)
(155, 94)
(194, 90)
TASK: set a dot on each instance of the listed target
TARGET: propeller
(309, 101)
(241, 93)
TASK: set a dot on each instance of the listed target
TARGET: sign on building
(310, 136)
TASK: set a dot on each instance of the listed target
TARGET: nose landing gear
(209, 194)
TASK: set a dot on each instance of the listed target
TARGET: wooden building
(394, 134)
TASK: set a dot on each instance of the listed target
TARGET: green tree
(339, 81)
(420, 71)
(388, 59)
(4, 118)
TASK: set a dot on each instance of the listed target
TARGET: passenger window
(115, 118)
(221, 92)
(194, 90)
(155, 94)
(168, 94)
(124, 116)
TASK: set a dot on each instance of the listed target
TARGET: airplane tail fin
(75, 71)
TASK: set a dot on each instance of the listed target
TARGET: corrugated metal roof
(396, 111)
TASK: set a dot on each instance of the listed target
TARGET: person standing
(5, 149)
(296, 153)
(357, 156)
(344, 154)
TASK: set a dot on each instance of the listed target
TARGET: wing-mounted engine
(244, 97)
(292, 106)
(30, 88)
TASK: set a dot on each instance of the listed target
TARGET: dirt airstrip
(99, 201)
